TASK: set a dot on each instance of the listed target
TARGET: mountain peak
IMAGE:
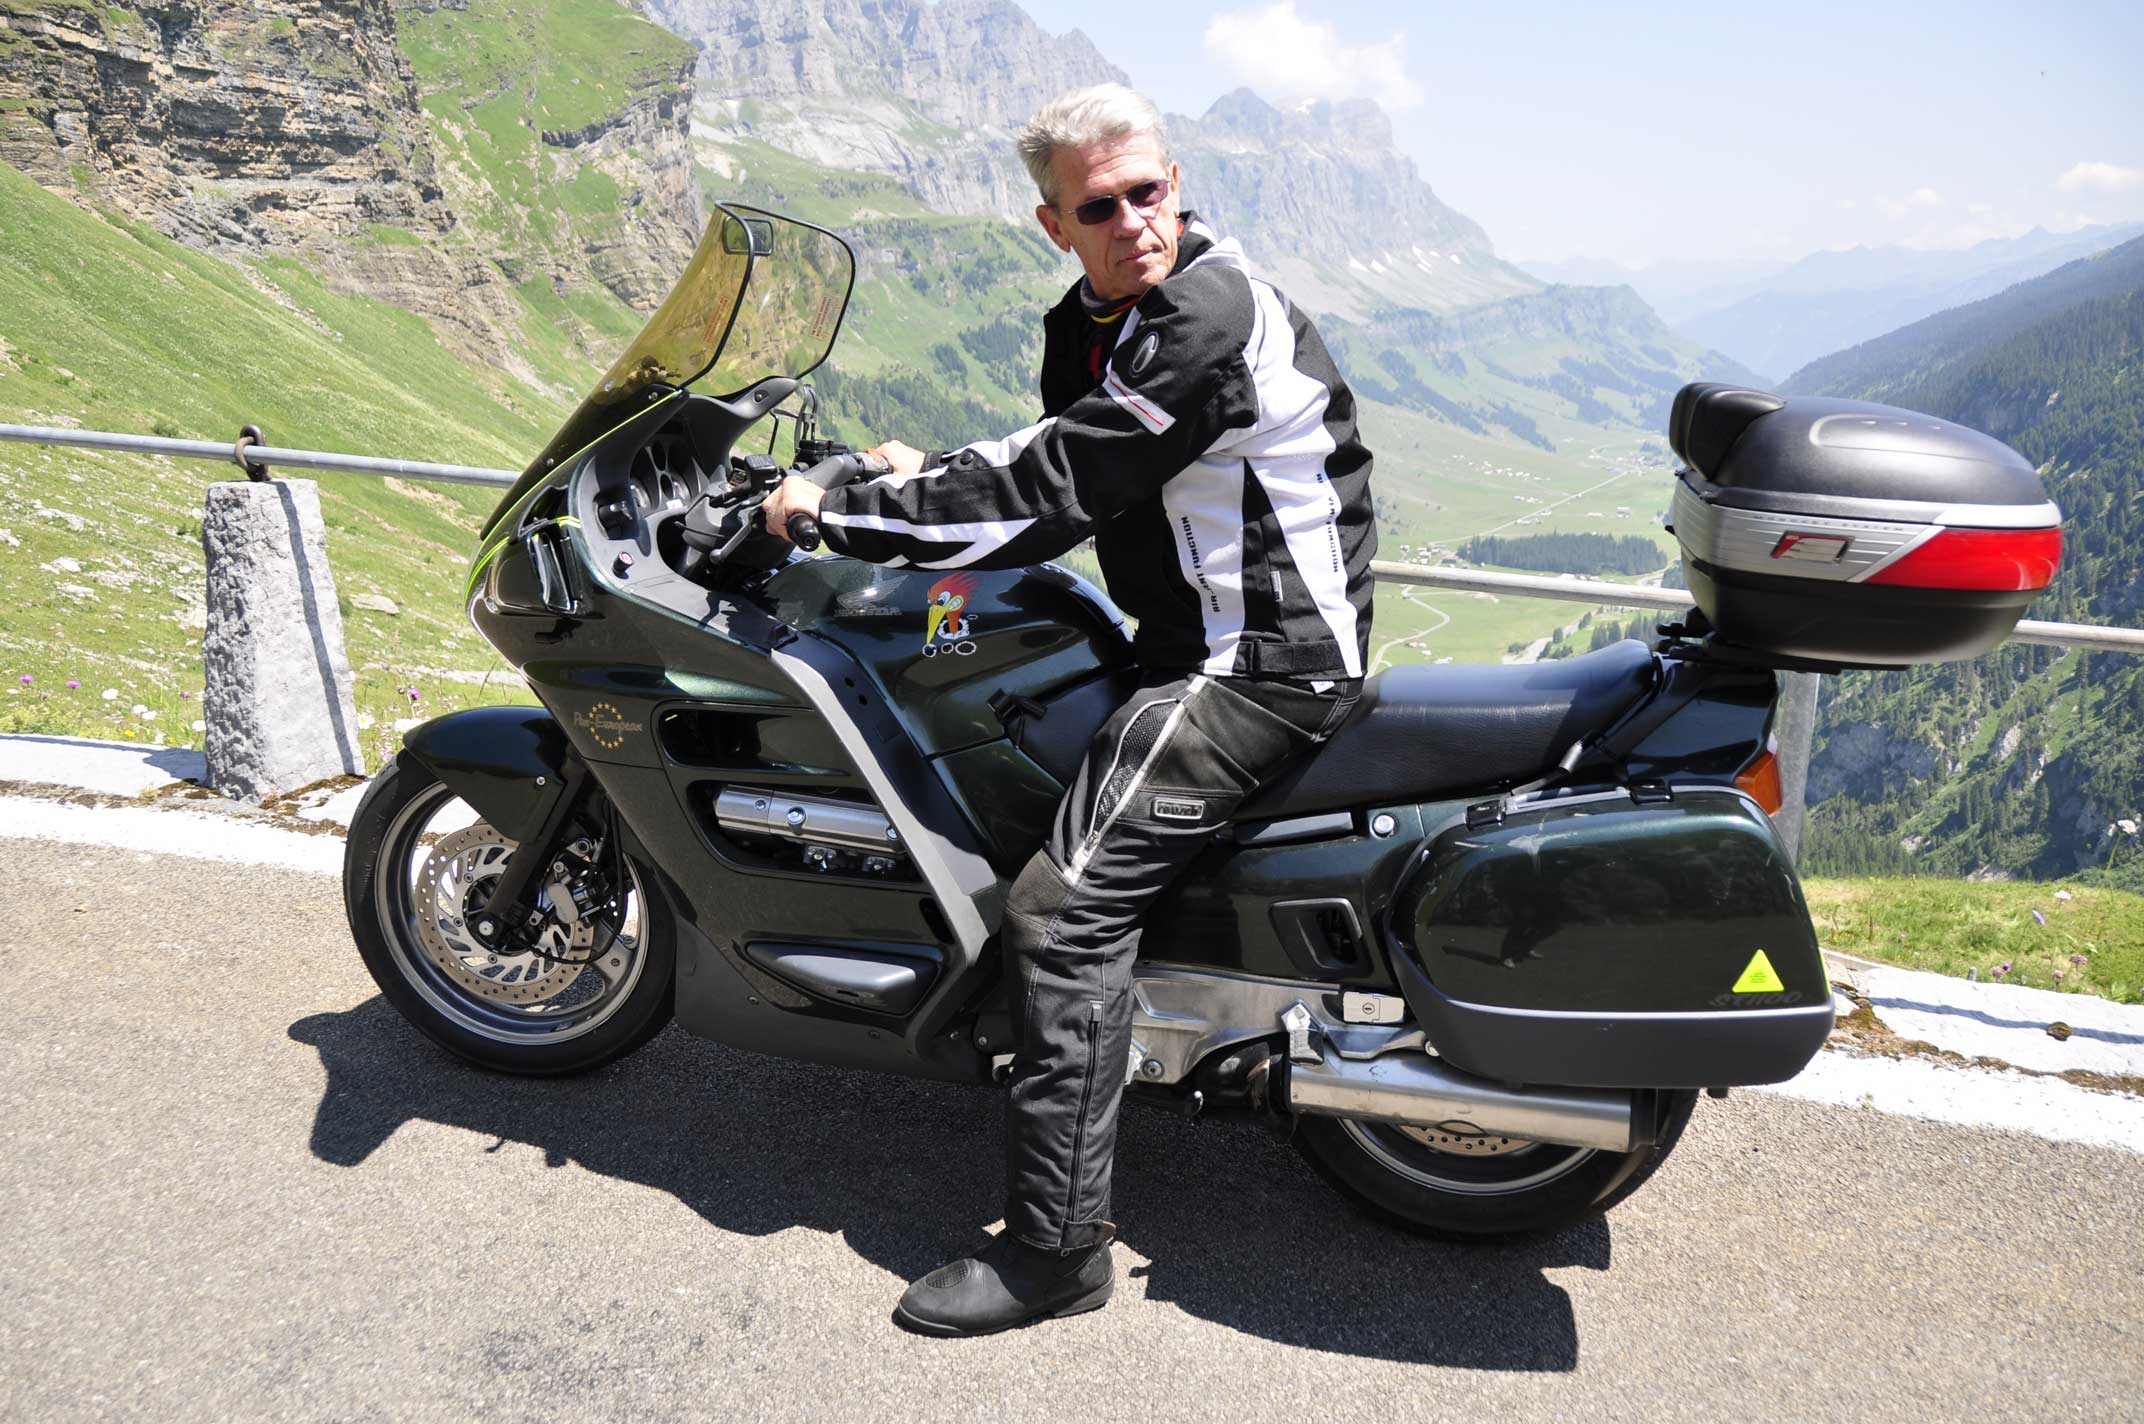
(1244, 113)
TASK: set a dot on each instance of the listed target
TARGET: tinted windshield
(763, 296)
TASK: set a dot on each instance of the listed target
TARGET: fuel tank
(943, 647)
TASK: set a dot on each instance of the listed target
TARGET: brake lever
(747, 526)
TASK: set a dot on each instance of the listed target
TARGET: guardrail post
(1795, 727)
(278, 702)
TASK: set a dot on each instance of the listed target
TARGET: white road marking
(2016, 1102)
(195, 835)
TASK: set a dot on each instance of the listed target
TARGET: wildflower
(137, 709)
(186, 697)
(27, 679)
(149, 716)
(2042, 919)
(199, 725)
(110, 694)
(73, 683)
(128, 733)
(364, 721)
(2076, 959)
(2058, 976)
(2002, 969)
(2128, 827)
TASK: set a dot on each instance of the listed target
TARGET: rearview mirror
(748, 235)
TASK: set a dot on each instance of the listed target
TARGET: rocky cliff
(265, 125)
(929, 93)
(288, 126)
(303, 127)
(561, 134)
(1327, 179)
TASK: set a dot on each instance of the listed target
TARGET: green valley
(2026, 761)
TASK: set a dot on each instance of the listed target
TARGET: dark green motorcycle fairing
(1028, 633)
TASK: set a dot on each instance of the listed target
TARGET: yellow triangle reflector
(1759, 977)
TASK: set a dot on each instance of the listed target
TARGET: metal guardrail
(2090, 637)
(251, 456)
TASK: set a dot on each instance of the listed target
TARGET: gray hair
(1082, 117)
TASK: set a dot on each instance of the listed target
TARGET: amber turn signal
(1760, 779)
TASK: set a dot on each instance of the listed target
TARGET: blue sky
(1639, 133)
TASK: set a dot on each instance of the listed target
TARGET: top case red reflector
(1986, 560)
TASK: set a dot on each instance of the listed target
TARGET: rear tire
(513, 1014)
(1503, 1188)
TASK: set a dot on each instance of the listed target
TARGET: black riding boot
(1007, 1283)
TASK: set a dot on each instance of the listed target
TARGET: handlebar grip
(804, 532)
(834, 471)
(837, 470)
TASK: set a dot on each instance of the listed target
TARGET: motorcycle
(1477, 956)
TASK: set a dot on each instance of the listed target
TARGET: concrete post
(278, 703)
(1795, 727)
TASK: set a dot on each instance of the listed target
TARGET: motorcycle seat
(1425, 732)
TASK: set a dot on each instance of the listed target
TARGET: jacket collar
(1198, 244)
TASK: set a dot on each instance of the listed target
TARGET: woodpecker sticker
(948, 627)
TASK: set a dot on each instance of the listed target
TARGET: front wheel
(590, 988)
(1475, 1188)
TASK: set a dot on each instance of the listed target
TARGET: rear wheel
(586, 988)
(1473, 1187)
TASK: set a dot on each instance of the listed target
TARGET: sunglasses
(1144, 198)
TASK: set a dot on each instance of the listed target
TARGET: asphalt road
(236, 1186)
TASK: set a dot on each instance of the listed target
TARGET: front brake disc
(451, 886)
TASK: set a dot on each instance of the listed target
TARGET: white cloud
(1918, 199)
(1286, 57)
(2100, 178)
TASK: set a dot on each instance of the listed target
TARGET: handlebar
(831, 474)
(715, 544)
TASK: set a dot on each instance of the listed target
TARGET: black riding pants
(1160, 780)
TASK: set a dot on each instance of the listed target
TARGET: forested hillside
(2030, 760)
(1566, 553)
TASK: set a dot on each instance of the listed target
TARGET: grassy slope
(493, 78)
(110, 326)
(496, 76)
(2094, 939)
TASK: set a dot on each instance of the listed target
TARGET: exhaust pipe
(1415, 1090)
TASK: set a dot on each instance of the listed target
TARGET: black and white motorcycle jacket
(1216, 466)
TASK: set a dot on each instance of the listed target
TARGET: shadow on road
(1238, 1229)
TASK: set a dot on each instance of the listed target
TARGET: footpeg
(1296, 1020)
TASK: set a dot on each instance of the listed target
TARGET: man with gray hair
(1196, 429)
